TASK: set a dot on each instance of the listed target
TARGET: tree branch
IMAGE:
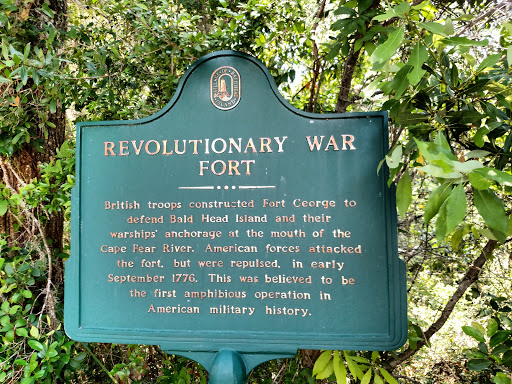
(472, 275)
(316, 62)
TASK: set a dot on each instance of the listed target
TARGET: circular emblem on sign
(225, 88)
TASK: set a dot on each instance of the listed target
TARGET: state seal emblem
(225, 88)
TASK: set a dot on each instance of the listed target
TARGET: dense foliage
(442, 70)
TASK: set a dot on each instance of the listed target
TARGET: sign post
(232, 228)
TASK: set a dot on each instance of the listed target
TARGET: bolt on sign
(232, 228)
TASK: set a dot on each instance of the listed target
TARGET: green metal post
(228, 367)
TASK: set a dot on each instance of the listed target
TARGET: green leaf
(4, 204)
(501, 378)
(491, 208)
(385, 16)
(53, 106)
(20, 362)
(335, 50)
(478, 181)
(474, 333)
(46, 9)
(26, 51)
(33, 362)
(9, 269)
(492, 327)
(408, 119)
(441, 171)
(352, 366)
(24, 75)
(507, 358)
(467, 166)
(489, 61)
(387, 49)
(509, 55)
(387, 376)
(477, 153)
(418, 56)
(345, 11)
(367, 377)
(451, 213)
(34, 332)
(478, 364)
(327, 371)
(322, 362)
(363, 5)
(478, 327)
(339, 369)
(142, 6)
(464, 41)
(9, 336)
(394, 160)
(457, 238)
(400, 82)
(435, 28)
(499, 337)
(378, 379)
(22, 332)
(500, 177)
(36, 345)
(448, 27)
(404, 193)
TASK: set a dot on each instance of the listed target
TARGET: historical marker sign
(231, 220)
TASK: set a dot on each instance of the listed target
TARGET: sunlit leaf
(387, 49)
(322, 362)
(451, 213)
(491, 208)
(489, 61)
(474, 333)
(404, 193)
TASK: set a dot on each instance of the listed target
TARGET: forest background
(441, 69)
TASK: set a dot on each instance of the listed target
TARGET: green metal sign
(231, 221)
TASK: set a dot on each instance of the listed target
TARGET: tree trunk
(22, 167)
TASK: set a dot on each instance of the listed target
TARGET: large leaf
(387, 49)
(321, 362)
(435, 28)
(339, 369)
(464, 41)
(433, 151)
(478, 181)
(492, 211)
(394, 160)
(418, 56)
(390, 379)
(489, 61)
(404, 193)
(499, 337)
(474, 333)
(451, 213)
(435, 200)
(367, 377)
(478, 364)
(501, 177)
(399, 83)
(501, 378)
(3, 207)
(327, 371)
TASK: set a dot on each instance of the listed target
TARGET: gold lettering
(123, 146)
(109, 147)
